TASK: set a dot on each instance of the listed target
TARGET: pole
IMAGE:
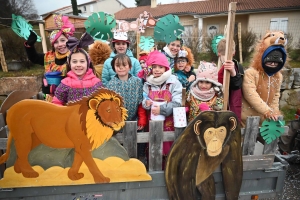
(240, 41)
(228, 50)
(42, 32)
(2, 58)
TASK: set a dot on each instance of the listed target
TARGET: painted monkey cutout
(211, 139)
(146, 20)
(124, 26)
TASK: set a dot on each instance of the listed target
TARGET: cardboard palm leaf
(21, 27)
(99, 25)
(168, 29)
(214, 43)
(270, 130)
(146, 43)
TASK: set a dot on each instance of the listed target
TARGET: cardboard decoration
(99, 25)
(146, 43)
(214, 43)
(211, 140)
(124, 26)
(22, 28)
(146, 20)
(84, 127)
(168, 29)
(271, 130)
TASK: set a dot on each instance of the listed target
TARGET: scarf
(167, 50)
(203, 95)
(159, 80)
(61, 56)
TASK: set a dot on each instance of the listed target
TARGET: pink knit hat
(157, 58)
(208, 72)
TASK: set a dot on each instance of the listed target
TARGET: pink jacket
(72, 88)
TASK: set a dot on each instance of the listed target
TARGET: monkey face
(214, 139)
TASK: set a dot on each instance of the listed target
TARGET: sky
(43, 7)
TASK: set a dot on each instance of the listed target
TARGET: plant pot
(14, 65)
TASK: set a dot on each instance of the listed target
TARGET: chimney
(153, 4)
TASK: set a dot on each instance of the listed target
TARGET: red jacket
(235, 91)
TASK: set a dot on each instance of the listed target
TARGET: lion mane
(94, 128)
(83, 125)
(270, 38)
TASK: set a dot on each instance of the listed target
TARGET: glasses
(181, 61)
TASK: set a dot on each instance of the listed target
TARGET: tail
(4, 157)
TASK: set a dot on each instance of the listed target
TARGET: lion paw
(30, 174)
(101, 179)
(75, 176)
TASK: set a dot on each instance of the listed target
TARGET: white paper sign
(179, 116)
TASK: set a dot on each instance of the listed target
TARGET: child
(236, 78)
(205, 91)
(171, 50)
(81, 80)
(130, 88)
(162, 85)
(120, 44)
(142, 74)
(184, 69)
(262, 83)
(54, 60)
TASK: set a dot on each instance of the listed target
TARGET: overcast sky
(50, 5)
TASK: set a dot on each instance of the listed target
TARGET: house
(86, 9)
(211, 15)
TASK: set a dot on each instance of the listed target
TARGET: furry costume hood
(99, 52)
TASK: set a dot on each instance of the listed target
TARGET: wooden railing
(129, 138)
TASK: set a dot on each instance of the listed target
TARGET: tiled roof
(208, 7)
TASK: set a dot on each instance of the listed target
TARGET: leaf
(215, 41)
(22, 28)
(270, 130)
(99, 25)
(168, 29)
(146, 43)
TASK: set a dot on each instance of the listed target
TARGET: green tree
(74, 7)
(142, 2)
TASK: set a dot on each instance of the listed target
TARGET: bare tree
(24, 8)
(192, 39)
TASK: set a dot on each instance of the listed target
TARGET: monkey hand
(204, 106)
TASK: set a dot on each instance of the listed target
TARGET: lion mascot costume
(261, 84)
(99, 52)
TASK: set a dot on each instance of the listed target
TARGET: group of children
(159, 76)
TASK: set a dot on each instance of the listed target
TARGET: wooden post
(2, 58)
(228, 50)
(155, 145)
(138, 35)
(240, 41)
(42, 32)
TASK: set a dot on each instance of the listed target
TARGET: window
(212, 29)
(91, 8)
(84, 8)
(279, 24)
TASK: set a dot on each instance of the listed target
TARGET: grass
(35, 70)
(288, 113)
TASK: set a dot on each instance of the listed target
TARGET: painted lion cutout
(82, 125)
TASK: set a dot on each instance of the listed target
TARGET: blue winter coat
(108, 72)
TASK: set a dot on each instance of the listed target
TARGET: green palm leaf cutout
(21, 27)
(168, 29)
(215, 41)
(99, 25)
(270, 130)
(146, 43)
